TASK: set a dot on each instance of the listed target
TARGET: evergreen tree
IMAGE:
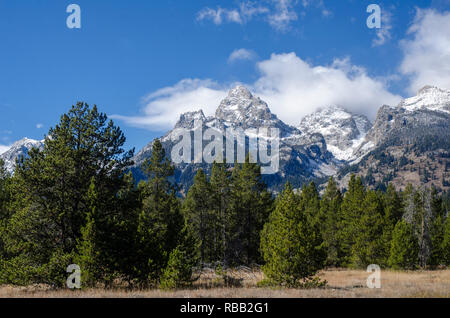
(288, 243)
(182, 261)
(197, 209)
(160, 221)
(446, 242)
(330, 220)
(250, 205)
(87, 257)
(393, 212)
(4, 201)
(221, 196)
(351, 212)
(404, 247)
(50, 189)
(310, 203)
(369, 247)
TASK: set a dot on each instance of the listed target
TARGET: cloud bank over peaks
(292, 88)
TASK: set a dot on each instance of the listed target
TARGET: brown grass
(341, 284)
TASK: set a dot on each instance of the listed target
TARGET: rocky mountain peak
(429, 97)
(187, 120)
(343, 131)
(241, 108)
(240, 92)
(19, 148)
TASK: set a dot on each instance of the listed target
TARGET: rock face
(303, 156)
(409, 143)
(19, 148)
(343, 131)
(425, 114)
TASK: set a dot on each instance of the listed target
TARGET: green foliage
(182, 261)
(250, 206)
(160, 221)
(88, 255)
(50, 191)
(369, 247)
(446, 242)
(404, 247)
(74, 203)
(330, 220)
(290, 246)
(351, 212)
(198, 211)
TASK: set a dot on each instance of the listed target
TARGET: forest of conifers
(76, 202)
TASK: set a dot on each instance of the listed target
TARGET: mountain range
(408, 143)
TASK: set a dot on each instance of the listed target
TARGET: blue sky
(144, 62)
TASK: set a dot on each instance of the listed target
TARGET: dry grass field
(341, 284)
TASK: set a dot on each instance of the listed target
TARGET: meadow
(242, 283)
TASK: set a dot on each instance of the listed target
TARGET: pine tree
(160, 221)
(4, 213)
(87, 257)
(351, 212)
(404, 247)
(250, 205)
(288, 244)
(50, 188)
(330, 219)
(310, 203)
(369, 247)
(221, 196)
(393, 212)
(393, 207)
(446, 242)
(182, 261)
(197, 209)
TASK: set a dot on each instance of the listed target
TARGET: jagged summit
(343, 131)
(240, 92)
(241, 108)
(187, 120)
(429, 97)
(19, 148)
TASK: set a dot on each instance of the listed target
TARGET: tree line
(76, 202)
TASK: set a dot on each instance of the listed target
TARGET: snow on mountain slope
(429, 97)
(19, 148)
(428, 110)
(302, 156)
(343, 131)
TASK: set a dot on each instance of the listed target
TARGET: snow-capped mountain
(429, 97)
(343, 131)
(409, 143)
(429, 110)
(19, 148)
(302, 156)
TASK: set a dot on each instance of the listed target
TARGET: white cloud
(278, 13)
(4, 148)
(241, 54)
(427, 54)
(220, 15)
(283, 14)
(39, 126)
(291, 87)
(383, 33)
(163, 107)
